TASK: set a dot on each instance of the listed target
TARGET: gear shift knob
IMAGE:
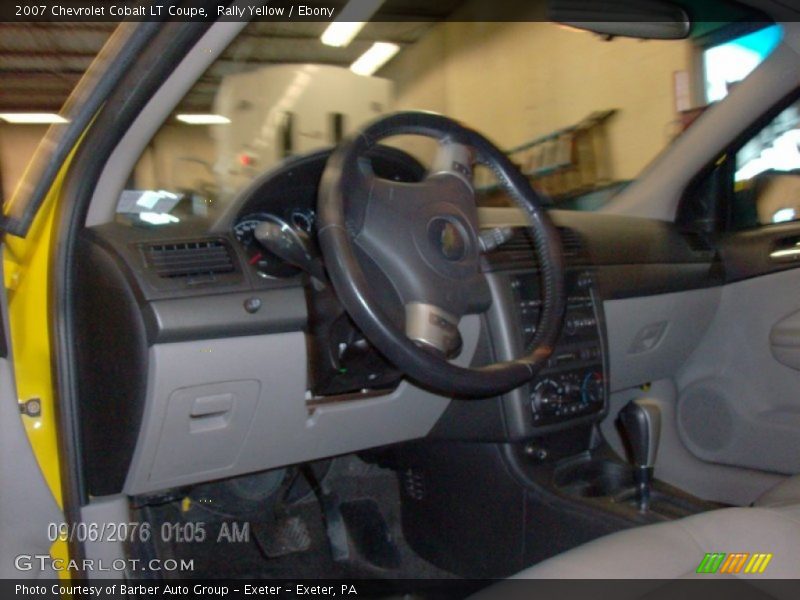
(641, 421)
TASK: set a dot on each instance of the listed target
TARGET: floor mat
(369, 501)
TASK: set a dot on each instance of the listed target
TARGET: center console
(571, 388)
(573, 384)
(538, 477)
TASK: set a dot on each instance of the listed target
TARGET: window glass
(580, 114)
(727, 64)
(767, 173)
(246, 115)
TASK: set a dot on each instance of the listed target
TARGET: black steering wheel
(424, 237)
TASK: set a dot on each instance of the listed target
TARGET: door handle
(790, 254)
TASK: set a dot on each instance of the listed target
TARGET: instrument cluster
(266, 263)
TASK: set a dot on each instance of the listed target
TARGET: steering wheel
(424, 237)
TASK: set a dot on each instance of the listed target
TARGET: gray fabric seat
(785, 493)
(675, 549)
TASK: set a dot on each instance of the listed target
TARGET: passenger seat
(675, 549)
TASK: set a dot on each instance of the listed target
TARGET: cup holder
(593, 478)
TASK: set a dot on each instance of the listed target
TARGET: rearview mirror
(647, 19)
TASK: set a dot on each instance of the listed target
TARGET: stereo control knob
(570, 326)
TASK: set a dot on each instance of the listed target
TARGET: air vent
(519, 251)
(197, 258)
(573, 245)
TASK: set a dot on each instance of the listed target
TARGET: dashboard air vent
(519, 250)
(573, 245)
(196, 258)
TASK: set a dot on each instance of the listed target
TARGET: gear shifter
(641, 422)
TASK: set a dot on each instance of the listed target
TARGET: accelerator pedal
(357, 532)
(369, 534)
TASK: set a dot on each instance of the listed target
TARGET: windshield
(580, 114)
(32, 153)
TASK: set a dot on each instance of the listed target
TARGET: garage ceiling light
(200, 119)
(374, 58)
(340, 34)
(32, 117)
(349, 22)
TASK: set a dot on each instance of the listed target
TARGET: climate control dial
(567, 394)
(592, 388)
(547, 396)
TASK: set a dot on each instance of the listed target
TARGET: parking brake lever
(293, 246)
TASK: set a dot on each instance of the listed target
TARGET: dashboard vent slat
(196, 258)
(520, 251)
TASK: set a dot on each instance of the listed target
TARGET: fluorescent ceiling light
(158, 218)
(374, 58)
(32, 117)
(349, 22)
(198, 119)
(340, 34)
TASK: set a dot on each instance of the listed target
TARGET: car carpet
(369, 503)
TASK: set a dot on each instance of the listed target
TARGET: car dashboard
(218, 358)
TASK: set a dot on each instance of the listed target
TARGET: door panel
(739, 402)
(676, 464)
(760, 251)
(692, 322)
(26, 503)
(785, 341)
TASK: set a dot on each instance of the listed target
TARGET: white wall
(17, 145)
(170, 161)
(160, 167)
(517, 81)
(512, 81)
